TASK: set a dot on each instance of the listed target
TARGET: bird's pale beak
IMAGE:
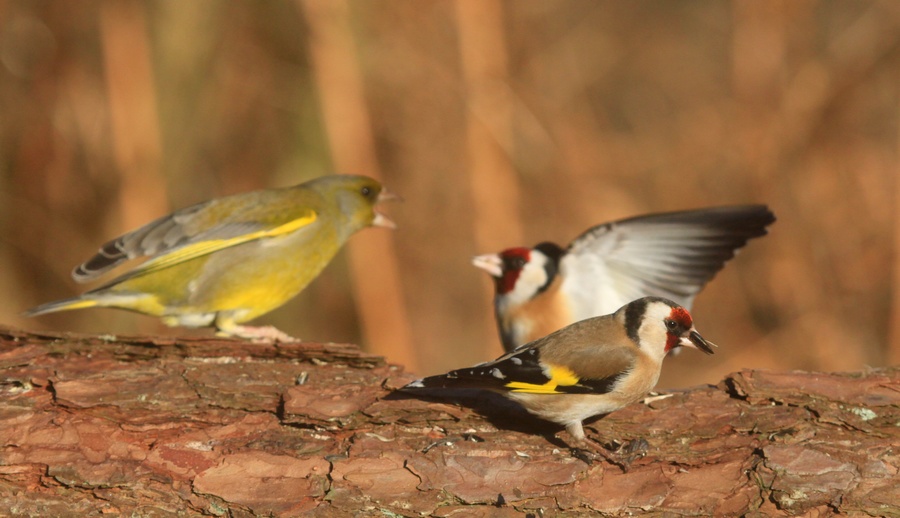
(698, 342)
(491, 263)
(380, 219)
(386, 195)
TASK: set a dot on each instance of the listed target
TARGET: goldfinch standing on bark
(232, 259)
(672, 255)
(592, 367)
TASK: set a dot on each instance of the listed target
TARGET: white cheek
(531, 279)
(653, 339)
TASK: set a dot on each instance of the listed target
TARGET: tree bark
(156, 426)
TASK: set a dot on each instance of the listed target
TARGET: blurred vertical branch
(373, 261)
(488, 130)
(493, 180)
(134, 112)
(893, 338)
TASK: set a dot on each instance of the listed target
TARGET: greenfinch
(232, 259)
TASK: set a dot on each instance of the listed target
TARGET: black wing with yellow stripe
(519, 371)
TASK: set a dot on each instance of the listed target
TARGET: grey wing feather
(671, 255)
(158, 237)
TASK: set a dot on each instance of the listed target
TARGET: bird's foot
(590, 455)
(630, 451)
(621, 456)
(585, 455)
(258, 334)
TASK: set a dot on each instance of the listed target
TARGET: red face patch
(682, 316)
(684, 320)
(514, 259)
(671, 341)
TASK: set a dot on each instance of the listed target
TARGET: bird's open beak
(698, 342)
(380, 219)
(491, 263)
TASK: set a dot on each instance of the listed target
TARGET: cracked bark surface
(167, 426)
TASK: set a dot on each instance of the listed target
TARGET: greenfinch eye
(366, 191)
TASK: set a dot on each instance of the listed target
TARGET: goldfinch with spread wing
(591, 367)
(232, 259)
(672, 255)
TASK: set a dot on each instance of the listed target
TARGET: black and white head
(520, 274)
(659, 326)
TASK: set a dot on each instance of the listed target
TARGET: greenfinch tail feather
(61, 305)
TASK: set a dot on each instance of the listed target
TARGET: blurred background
(501, 123)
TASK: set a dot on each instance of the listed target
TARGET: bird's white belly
(566, 408)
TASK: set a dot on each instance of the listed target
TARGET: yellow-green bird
(232, 259)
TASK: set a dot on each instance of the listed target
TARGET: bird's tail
(61, 305)
(453, 380)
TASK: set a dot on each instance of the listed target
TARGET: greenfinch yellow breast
(232, 259)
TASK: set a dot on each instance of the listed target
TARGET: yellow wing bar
(213, 245)
(559, 377)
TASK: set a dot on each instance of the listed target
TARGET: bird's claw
(622, 456)
(584, 455)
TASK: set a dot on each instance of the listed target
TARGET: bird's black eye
(366, 191)
(515, 263)
(671, 325)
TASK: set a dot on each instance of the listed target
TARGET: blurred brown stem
(893, 345)
(133, 110)
(494, 184)
(373, 261)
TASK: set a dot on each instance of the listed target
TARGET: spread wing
(538, 368)
(670, 255)
(199, 230)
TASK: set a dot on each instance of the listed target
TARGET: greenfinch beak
(380, 219)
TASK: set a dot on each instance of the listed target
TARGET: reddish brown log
(159, 426)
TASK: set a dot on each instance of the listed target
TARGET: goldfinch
(591, 367)
(232, 259)
(539, 290)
